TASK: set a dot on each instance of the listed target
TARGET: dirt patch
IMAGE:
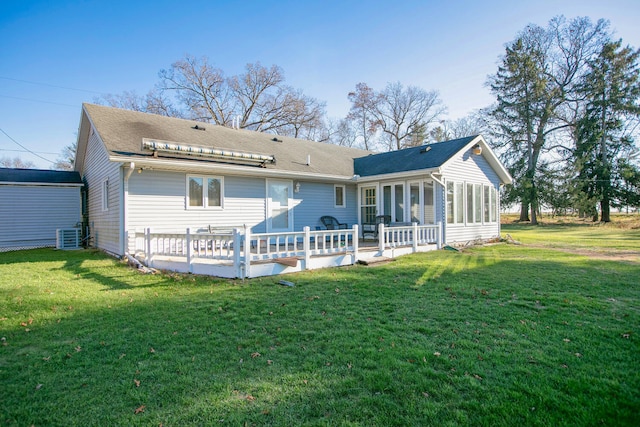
(608, 254)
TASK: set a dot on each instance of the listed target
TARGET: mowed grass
(495, 335)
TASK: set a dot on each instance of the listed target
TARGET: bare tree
(200, 88)
(403, 115)
(16, 162)
(67, 158)
(153, 102)
(361, 115)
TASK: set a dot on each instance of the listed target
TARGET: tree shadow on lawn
(354, 345)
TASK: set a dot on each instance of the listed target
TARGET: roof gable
(431, 156)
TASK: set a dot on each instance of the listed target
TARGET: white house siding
(469, 168)
(158, 200)
(317, 199)
(30, 214)
(103, 224)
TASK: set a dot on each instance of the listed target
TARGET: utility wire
(25, 148)
(37, 100)
(50, 85)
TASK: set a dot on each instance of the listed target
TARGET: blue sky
(57, 54)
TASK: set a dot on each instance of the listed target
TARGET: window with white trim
(455, 202)
(105, 195)
(339, 196)
(490, 203)
(204, 192)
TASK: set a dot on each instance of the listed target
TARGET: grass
(499, 335)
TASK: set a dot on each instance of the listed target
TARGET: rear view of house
(148, 172)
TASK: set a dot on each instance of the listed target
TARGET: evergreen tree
(611, 90)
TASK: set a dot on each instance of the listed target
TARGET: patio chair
(372, 228)
(330, 223)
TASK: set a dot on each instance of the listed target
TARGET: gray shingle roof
(39, 176)
(122, 132)
(410, 159)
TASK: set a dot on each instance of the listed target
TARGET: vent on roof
(276, 139)
(196, 127)
(68, 238)
(425, 149)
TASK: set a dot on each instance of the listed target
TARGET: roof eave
(190, 166)
(397, 175)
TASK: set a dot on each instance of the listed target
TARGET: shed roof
(39, 176)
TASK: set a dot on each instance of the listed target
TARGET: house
(35, 205)
(145, 171)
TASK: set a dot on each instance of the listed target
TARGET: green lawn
(526, 335)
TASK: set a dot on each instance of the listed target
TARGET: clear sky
(57, 54)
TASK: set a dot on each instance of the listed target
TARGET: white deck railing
(240, 247)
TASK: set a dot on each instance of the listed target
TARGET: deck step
(375, 260)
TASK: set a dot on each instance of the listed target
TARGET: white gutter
(184, 165)
(393, 176)
(42, 184)
(436, 180)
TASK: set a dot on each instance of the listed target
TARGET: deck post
(415, 237)
(189, 261)
(355, 243)
(245, 259)
(147, 246)
(306, 246)
(381, 237)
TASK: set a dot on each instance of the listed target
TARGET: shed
(34, 204)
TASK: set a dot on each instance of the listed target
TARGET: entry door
(368, 205)
(279, 206)
(393, 203)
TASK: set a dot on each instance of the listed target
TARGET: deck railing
(240, 247)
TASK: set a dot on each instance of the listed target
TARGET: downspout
(124, 241)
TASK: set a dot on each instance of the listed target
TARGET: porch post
(237, 255)
(306, 246)
(415, 237)
(381, 237)
(355, 243)
(439, 235)
(147, 246)
(246, 254)
(189, 265)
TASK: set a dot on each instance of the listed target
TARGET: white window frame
(335, 196)
(456, 200)
(490, 206)
(105, 195)
(205, 193)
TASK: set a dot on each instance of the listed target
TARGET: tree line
(564, 121)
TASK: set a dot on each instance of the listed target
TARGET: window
(459, 203)
(490, 204)
(105, 195)
(470, 200)
(339, 196)
(455, 202)
(429, 213)
(477, 188)
(450, 211)
(204, 192)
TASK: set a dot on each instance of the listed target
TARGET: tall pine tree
(611, 91)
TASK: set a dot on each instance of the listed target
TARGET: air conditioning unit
(68, 238)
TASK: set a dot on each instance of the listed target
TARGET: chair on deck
(330, 223)
(373, 228)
